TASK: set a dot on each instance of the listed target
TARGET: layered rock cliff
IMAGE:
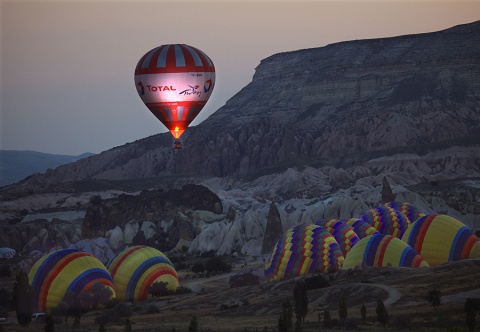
(338, 105)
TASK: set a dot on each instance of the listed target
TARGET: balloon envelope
(343, 233)
(440, 238)
(408, 210)
(136, 268)
(387, 221)
(63, 271)
(301, 250)
(382, 250)
(361, 228)
(175, 81)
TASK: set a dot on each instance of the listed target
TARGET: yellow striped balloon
(440, 238)
(136, 268)
(66, 270)
(301, 250)
(382, 250)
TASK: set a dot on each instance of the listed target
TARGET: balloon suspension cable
(177, 145)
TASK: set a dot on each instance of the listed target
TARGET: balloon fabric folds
(382, 250)
(175, 82)
(387, 221)
(136, 268)
(440, 239)
(301, 250)
(361, 228)
(408, 210)
(63, 271)
(343, 233)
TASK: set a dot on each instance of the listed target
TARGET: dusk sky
(67, 66)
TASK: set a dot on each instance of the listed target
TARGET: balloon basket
(177, 145)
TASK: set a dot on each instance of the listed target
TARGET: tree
(363, 313)
(435, 298)
(298, 326)
(382, 313)
(159, 288)
(128, 325)
(301, 300)
(471, 307)
(285, 319)
(23, 299)
(327, 319)
(198, 268)
(193, 327)
(49, 324)
(73, 305)
(343, 311)
(100, 294)
(217, 264)
(5, 297)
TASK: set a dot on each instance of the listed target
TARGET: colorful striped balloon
(387, 221)
(343, 233)
(301, 250)
(440, 238)
(361, 228)
(408, 210)
(175, 82)
(382, 250)
(136, 268)
(63, 271)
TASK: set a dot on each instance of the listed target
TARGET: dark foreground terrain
(217, 307)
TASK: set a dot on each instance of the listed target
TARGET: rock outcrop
(273, 230)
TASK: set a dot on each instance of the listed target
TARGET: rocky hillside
(313, 136)
(340, 105)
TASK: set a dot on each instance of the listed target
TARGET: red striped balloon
(175, 82)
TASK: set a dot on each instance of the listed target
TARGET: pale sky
(67, 66)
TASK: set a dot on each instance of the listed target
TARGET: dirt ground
(218, 307)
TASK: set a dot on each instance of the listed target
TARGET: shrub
(402, 321)
(244, 279)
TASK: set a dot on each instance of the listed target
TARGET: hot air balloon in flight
(380, 250)
(136, 268)
(63, 271)
(440, 239)
(301, 250)
(175, 82)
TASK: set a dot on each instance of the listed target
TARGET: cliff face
(339, 105)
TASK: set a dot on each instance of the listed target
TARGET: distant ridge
(15, 165)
